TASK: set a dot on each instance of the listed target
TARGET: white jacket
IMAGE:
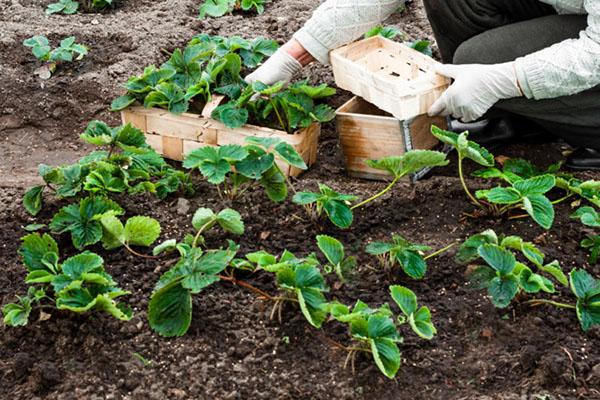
(565, 68)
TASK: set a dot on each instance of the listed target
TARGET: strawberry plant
(338, 206)
(528, 185)
(291, 107)
(170, 308)
(127, 164)
(589, 217)
(67, 51)
(333, 250)
(586, 290)
(218, 8)
(137, 231)
(409, 256)
(79, 284)
(388, 32)
(238, 168)
(469, 252)
(375, 331)
(207, 65)
(63, 6)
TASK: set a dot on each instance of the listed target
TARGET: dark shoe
(487, 132)
(495, 132)
(584, 159)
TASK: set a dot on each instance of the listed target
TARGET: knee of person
(466, 53)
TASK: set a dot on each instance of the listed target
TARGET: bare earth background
(232, 350)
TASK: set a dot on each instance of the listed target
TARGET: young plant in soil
(375, 331)
(338, 206)
(409, 256)
(125, 164)
(589, 217)
(586, 290)
(528, 185)
(79, 284)
(67, 51)
(236, 169)
(170, 307)
(218, 8)
(63, 7)
(333, 250)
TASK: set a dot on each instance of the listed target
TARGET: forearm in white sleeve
(338, 22)
(566, 68)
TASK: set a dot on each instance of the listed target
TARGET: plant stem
(202, 228)
(139, 254)
(562, 199)
(278, 115)
(341, 346)
(384, 191)
(248, 286)
(438, 252)
(519, 216)
(537, 302)
(464, 183)
(287, 178)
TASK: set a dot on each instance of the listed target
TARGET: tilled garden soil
(233, 350)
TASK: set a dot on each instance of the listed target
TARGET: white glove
(476, 88)
(280, 67)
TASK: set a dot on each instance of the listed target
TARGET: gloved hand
(476, 88)
(281, 66)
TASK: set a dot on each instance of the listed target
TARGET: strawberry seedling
(338, 206)
(589, 217)
(409, 256)
(63, 6)
(388, 32)
(79, 284)
(238, 168)
(67, 51)
(218, 8)
(333, 250)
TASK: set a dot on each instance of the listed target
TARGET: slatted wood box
(390, 75)
(176, 135)
(367, 133)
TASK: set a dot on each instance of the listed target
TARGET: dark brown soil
(232, 349)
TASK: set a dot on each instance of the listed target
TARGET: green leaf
(170, 311)
(583, 284)
(536, 185)
(166, 246)
(305, 198)
(203, 218)
(465, 148)
(500, 195)
(32, 201)
(74, 267)
(311, 304)
(468, 250)
(231, 221)
(421, 324)
(141, 231)
(412, 263)
(231, 115)
(288, 153)
(275, 184)
(331, 248)
(122, 102)
(588, 216)
(503, 289)
(405, 298)
(34, 249)
(210, 164)
(113, 232)
(17, 314)
(540, 209)
(255, 164)
(498, 258)
(411, 162)
(555, 271)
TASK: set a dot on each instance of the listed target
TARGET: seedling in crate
(409, 256)
(218, 8)
(252, 52)
(388, 32)
(589, 217)
(337, 205)
(587, 291)
(79, 284)
(127, 165)
(287, 108)
(66, 52)
(238, 168)
(333, 250)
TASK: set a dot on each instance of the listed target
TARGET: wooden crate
(176, 135)
(368, 133)
(394, 77)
